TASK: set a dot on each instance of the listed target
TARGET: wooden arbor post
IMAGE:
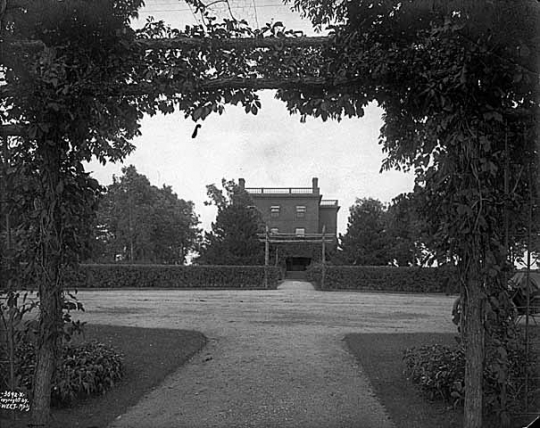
(323, 256)
(266, 256)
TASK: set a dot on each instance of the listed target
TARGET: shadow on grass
(150, 355)
(380, 356)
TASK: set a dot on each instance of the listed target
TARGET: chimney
(315, 185)
(242, 183)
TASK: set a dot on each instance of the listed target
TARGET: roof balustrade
(282, 190)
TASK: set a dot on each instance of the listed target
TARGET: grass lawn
(380, 356)
(150, 355)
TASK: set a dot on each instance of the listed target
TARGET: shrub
(439, 372)
(85, 369)
(385, 278)
(167, 276)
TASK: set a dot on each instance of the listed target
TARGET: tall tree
(406, 231)
(386, 235)
(177, 233)
(57, 98)
(234, 238)
(140, 223)
(365, 242)
(132, 201)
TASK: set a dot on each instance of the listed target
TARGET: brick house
(297, 220)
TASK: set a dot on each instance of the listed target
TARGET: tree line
(140, 223)
(137, 222)
(403, 233)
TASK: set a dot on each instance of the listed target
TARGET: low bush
(385, 278)
(167, 276)
(85, 369)
(439, 372)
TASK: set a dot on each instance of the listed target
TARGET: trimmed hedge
(385, 278)
(169, 276)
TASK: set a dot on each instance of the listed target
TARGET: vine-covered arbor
(458, 82)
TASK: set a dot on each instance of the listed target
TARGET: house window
(300, 231)
(274, 230)
(300, 211)
(274, 210)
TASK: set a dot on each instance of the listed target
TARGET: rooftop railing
(282, 190)
(329, 203)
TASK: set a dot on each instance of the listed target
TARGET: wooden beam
(293, 241)
(275, 83)
(184, 42)
(134, 90)
(173, 87)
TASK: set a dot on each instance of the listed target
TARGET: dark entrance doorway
(296, 266)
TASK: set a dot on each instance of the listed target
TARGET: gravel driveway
(274, 359)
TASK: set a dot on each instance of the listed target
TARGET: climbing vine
(460, 105)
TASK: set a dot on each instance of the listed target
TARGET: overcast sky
(272, 149)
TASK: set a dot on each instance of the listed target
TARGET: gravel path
(274, 358)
